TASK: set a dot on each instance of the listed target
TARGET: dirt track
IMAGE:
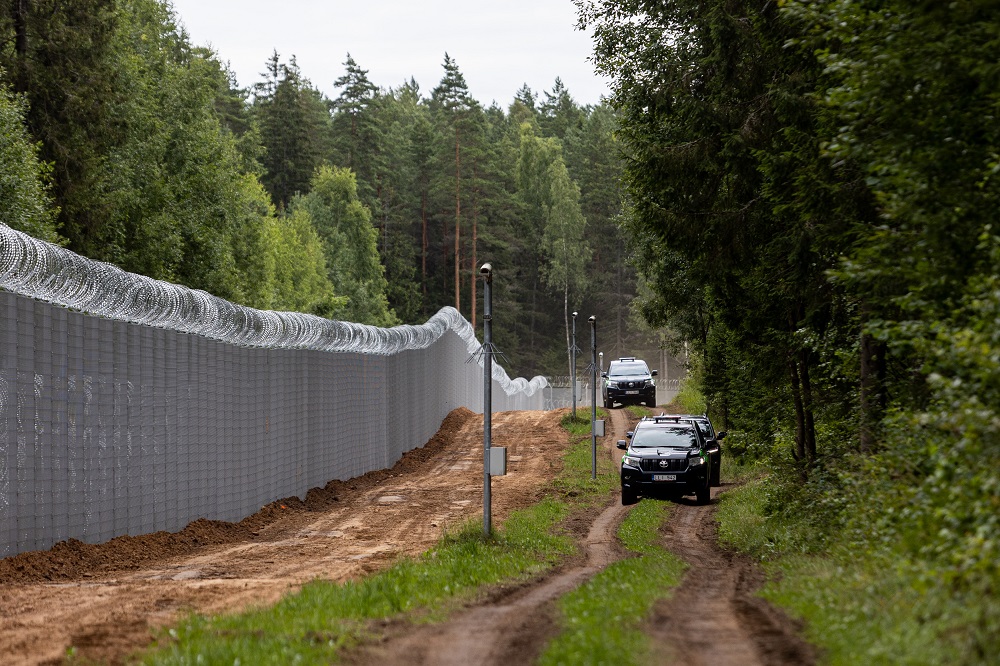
(713, 618)
(104, 600)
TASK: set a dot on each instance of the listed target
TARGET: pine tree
(456, 113)
(294, 129)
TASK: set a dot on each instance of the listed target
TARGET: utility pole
(487, 273)
(593, 397)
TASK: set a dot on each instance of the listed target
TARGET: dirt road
(104, 600)
(712, 619)
(512, 626)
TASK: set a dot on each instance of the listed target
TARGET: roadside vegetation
(316, 623)
(602, 619)
(812, 190)
(832, 562)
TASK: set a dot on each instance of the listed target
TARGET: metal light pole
(572, 370)
(487, 272)
(593, 397)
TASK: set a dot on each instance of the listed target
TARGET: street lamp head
(592, 319)
(487, 269)
(574, 315)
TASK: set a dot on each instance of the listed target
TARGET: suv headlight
(696, 461)
(631, 461)
(650, 382)
(612, 384)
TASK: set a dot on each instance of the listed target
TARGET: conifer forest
(800, 194)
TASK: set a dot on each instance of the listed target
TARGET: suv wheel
(704, 495)
(629, 496)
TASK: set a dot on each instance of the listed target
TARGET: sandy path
(714, 617)
(104, 600)
(509, 628)
(105, 611)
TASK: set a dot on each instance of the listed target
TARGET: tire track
(513, 629)
(715, 618)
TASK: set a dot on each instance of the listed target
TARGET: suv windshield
(705, 429)
(680, 438)
(628, 369)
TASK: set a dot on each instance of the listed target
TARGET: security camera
(574, 314)
(487, 269)
(592, 319)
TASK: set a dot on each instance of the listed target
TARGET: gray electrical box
(498, 460)
(598, 427)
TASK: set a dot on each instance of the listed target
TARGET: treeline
(813, 190)
(127, 144)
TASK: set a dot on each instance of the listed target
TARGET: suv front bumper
(651, 484)
(632, 396)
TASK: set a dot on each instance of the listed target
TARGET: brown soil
(106, 600)
(715, 618)
(513, 625)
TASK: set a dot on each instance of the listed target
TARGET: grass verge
(313, 625)
(602, 618)
(860, 608)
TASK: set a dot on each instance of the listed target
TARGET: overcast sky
(498, 44)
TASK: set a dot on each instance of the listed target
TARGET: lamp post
(487, 272)
(593, 397)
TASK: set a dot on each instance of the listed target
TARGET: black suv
(712, 441)
(665, 456)
(628, 381)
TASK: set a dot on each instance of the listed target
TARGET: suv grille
(656, 464)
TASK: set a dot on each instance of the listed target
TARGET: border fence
(558, 392)
(129, 405)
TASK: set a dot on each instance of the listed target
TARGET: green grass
(858, 607)
(313, 625)
(575, 481)
(638, 411)
(603, 619)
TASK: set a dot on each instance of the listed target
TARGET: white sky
(498, 44)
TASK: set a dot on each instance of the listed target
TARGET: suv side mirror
(652, 373)
(604, 374)
(720, 435)
(621, 444)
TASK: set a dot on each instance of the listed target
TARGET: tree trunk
(19, 14)
(569, 348)
(799, 452)
(458, 224)
(423, 246)
(474, 273)
(807, 406)
(872, 382)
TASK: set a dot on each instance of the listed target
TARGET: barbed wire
(43, 271)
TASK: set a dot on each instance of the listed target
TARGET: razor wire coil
(43, 271)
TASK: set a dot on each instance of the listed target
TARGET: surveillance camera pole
(593, 397)
(572, 372)
(487, 273)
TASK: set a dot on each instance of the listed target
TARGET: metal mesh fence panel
(129, 405)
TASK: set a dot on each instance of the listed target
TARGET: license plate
(631, 393)
(664, 477)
